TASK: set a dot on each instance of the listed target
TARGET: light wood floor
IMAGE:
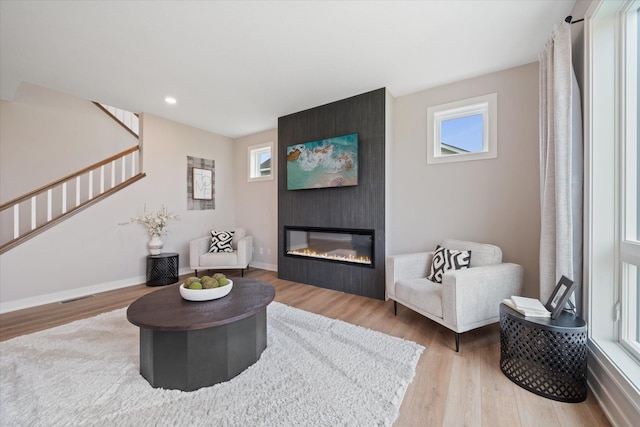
(449, 389)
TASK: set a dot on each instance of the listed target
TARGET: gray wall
(494, 201)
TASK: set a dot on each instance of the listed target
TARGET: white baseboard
(618, 399)
(68, 294)
(263, 266)
(75, 293)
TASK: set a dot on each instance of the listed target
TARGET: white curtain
(561, 165)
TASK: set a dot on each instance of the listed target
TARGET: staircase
(32, 213)
(126, 119)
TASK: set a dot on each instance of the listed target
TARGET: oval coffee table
(187, 345)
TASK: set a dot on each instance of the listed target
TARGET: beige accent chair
(201, 259)
(466, 299)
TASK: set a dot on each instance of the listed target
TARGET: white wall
(90, 252)
(492, 201)
(257, 202)
(389, 173)
(37, 123)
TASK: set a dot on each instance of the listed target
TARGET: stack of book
(527, 306)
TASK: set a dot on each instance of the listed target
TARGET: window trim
(628, 244)
(486, 105)
(614, 366)
(253, 153)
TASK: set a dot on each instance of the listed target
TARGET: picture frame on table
(202, 184)
(560, 296)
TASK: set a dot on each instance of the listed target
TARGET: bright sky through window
(463, 132)
(265, 163)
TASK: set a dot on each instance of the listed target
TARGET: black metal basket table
(545, 356)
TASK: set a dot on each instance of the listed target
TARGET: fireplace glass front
(350, 246)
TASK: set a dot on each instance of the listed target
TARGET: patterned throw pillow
(446, 259)
(221, 241)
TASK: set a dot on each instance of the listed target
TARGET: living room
(494, 201)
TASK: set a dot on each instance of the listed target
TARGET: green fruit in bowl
(224, 281)
(190, 280)
(203, 278)
(195, 285)
(219, 276)
(209, 284)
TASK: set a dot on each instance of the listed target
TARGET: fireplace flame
(345, 255)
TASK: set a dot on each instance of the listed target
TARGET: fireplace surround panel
(350, 209)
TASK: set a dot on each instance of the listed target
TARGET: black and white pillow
(221, 241)
(447, 259)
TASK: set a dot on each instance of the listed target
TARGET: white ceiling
(236, 66)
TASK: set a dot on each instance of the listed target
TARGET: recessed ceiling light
(170, 100)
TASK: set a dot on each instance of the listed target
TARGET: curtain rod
(569, 18)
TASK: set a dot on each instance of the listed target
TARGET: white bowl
(205, 294)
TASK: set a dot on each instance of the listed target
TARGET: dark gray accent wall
(359, 207)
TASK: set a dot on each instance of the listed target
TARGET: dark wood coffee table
(187, 345)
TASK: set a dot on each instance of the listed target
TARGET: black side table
(545, 356)
(162, 269)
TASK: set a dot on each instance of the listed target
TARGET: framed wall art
(331, 162)
(202, 184)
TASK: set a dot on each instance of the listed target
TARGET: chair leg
(242, 272)
(196, 273)
(395, 308)
(457, 342)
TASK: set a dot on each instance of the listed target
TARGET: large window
(612, 213)
(630, 150)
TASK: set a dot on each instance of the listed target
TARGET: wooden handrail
(28, 235)
(29, 195)
(97, 104)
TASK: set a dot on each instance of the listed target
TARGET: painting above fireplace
(331, 162)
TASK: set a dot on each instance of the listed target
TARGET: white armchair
(201, 259)
(466, 299)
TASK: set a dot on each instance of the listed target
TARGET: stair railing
(40, 209)
(128, 120)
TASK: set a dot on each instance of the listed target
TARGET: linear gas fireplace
(347, 246)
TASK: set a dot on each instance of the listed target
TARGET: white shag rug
(315, 371)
